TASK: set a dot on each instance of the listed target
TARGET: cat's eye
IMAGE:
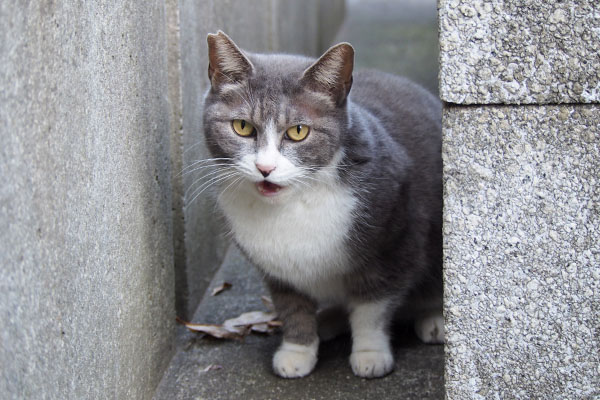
(297, 132)
(243, 127)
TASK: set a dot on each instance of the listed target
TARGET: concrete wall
(86, 283)
(261, 26)
(522, 198)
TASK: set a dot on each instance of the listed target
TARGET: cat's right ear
(332, 73)
(226, 62)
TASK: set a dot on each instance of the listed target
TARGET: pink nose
(265, 170)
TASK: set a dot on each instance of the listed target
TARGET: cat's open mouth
(267, 188)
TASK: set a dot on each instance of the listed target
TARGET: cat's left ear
(332, 73)
(226, 62)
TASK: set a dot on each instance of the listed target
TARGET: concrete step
(244, 367)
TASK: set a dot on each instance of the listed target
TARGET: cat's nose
(265, 170)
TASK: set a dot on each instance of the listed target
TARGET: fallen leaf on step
(218, 331)
(239, 327)
(269, 327)
(261, 328)
(221, 289)
(250, 318)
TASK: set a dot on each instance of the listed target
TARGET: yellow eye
(297, 132)
(243, 128)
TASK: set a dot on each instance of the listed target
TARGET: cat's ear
(332, 73)
(226, 62)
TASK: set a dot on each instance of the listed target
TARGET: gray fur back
(395, 140)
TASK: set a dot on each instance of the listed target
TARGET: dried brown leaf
(237, 328)
(218, 331)
(250, 318)
(269, 328)
(220, 289)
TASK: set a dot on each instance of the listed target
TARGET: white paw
(430, 329)
(371, 364)
(295, 360)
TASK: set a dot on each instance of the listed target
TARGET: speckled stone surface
(522, 252)
(506, 51)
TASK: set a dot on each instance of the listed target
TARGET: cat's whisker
(236, 180)
(207, 185)
(193, 146)
(219, 172)
(299, 181)
(313, 179)
(216, 170)
(215, 159)
(204, 161)
(206, 166)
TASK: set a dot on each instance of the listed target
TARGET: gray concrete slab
(246, 366)
(522, 252)
(86, 284)
(514, 52)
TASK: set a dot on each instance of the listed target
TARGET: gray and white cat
(334, 194)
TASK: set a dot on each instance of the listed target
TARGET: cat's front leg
(371, 350)
(297, 355)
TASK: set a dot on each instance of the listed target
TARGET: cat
(330, 182)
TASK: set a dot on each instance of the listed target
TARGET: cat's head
(274, 123)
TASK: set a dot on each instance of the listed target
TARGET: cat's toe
(430, 329)
(371, 364)
(294, 361)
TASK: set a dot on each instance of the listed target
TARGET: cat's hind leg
(371, 350)
(430, 328)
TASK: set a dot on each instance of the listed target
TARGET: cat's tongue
(267, 188)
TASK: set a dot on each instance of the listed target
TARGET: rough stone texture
(522, 252)
(507, 51)
(86, 284)
(262, 26)
(245, 367)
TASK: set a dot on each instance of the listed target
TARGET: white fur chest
(301, 240)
